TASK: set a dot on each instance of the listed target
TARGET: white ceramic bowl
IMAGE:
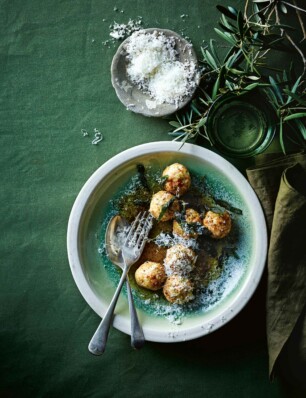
(88, 213)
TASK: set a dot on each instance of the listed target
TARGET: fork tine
(141, 223)
(132, 228)
(139, 231)
(137, 237)
(146, 227)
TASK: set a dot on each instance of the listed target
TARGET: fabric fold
(266, 175)
(280, 183)
(286, 295)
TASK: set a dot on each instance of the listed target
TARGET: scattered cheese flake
(98, 137)
(121, 31)
(167, 240)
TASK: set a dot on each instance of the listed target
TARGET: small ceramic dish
(137, 100)
(96, 277)
(241, 126)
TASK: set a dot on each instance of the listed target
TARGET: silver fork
(131, 251)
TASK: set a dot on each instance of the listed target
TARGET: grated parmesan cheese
(121, 31)
(167, 240)
(146, 54)
(153, 67)
(172, 81)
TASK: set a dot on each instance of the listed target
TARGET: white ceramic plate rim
(260, 236)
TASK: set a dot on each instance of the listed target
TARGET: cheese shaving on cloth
(153, 67)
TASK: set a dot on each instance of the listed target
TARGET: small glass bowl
(241, 125)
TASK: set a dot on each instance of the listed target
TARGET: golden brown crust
(218, 224)
(150, 275)
(178, 179)
(159, 203)
(153, 252)
(178, 289)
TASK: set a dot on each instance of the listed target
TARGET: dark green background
(55, 81)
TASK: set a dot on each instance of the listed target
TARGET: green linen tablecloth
(54, 82)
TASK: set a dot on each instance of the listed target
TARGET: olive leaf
(295, 116)
(250, 37)
(230, 12)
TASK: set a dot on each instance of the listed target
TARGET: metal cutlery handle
(137, 336)
(98, 342)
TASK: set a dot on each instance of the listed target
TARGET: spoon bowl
(114, 238)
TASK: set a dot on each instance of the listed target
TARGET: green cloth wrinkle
(286, 219)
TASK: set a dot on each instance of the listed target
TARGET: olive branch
(251, 37)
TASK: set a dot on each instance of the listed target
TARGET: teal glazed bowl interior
(241, 125)
(93, 273)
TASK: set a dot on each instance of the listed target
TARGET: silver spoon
(114, 238)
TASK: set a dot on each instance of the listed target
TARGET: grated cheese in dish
(154, 68)
(172, 81)
(146, 53)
